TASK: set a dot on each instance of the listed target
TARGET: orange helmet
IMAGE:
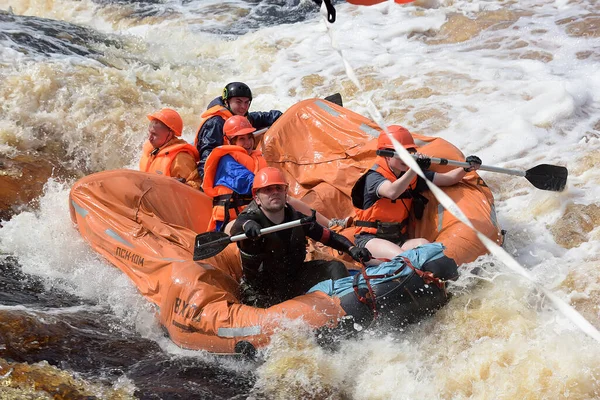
(399, 133)
(238, 125)
(170, 118)
(266, 177)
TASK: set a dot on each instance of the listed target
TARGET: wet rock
(459, 28)
(572, 229)
(310, 83)
(22, 179)
(43, 381)
(83, 340)
(588, 26)
(537, 55)
(433, 120)
(41, 36)
(27, 290)
(582, 286)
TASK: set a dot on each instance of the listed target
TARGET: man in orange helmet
(165, 153)
(383, 196)
(273, 264)
(235, 100)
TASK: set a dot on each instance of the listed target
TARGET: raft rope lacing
(427, 277)
(567, 310)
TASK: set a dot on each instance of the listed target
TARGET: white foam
(511, 110)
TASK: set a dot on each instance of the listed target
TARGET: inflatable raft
(146, 225)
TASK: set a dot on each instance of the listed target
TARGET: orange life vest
(160, 162)
(386, 216)
(218, 110)
(226, 203)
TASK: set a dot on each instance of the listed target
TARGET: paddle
(210, 244)
(335, 98)
(260, 131)
(543, 176)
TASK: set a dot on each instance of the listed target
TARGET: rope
(568, 311)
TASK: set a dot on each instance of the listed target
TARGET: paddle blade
(335, 98)
(548, 177)
(210, 244)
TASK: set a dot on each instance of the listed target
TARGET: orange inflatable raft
(146, 224)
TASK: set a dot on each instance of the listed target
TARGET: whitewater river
(515, 82)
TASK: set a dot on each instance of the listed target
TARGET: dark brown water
(39, 324)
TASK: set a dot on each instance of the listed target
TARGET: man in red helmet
(235, 100)
(165, 153)
(274, 265)
(383, 196)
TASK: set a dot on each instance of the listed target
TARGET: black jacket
(211, 133)
(277, 256)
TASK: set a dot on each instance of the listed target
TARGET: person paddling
(235, 100)
(274, 266)
(384, 195)
(165, 153)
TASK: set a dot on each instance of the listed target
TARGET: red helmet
(170, 118)
(399, 133)
(266, 177)
(238, 125)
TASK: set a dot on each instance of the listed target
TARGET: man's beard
(273, 208)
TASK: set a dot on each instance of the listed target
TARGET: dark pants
(275, 289)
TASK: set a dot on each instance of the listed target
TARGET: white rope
(567, 310)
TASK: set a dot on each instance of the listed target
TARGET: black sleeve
(263, 119)
(339, 242)
(237, 227)
(247, 246)
(210, 136)
(328, 237)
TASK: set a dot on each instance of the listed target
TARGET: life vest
(277, 259)
(227, 204)
(214, 111)
(386, 218)
(160, 162)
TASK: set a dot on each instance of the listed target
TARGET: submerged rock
(43, 381)
(22, 180)
(572, 229)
